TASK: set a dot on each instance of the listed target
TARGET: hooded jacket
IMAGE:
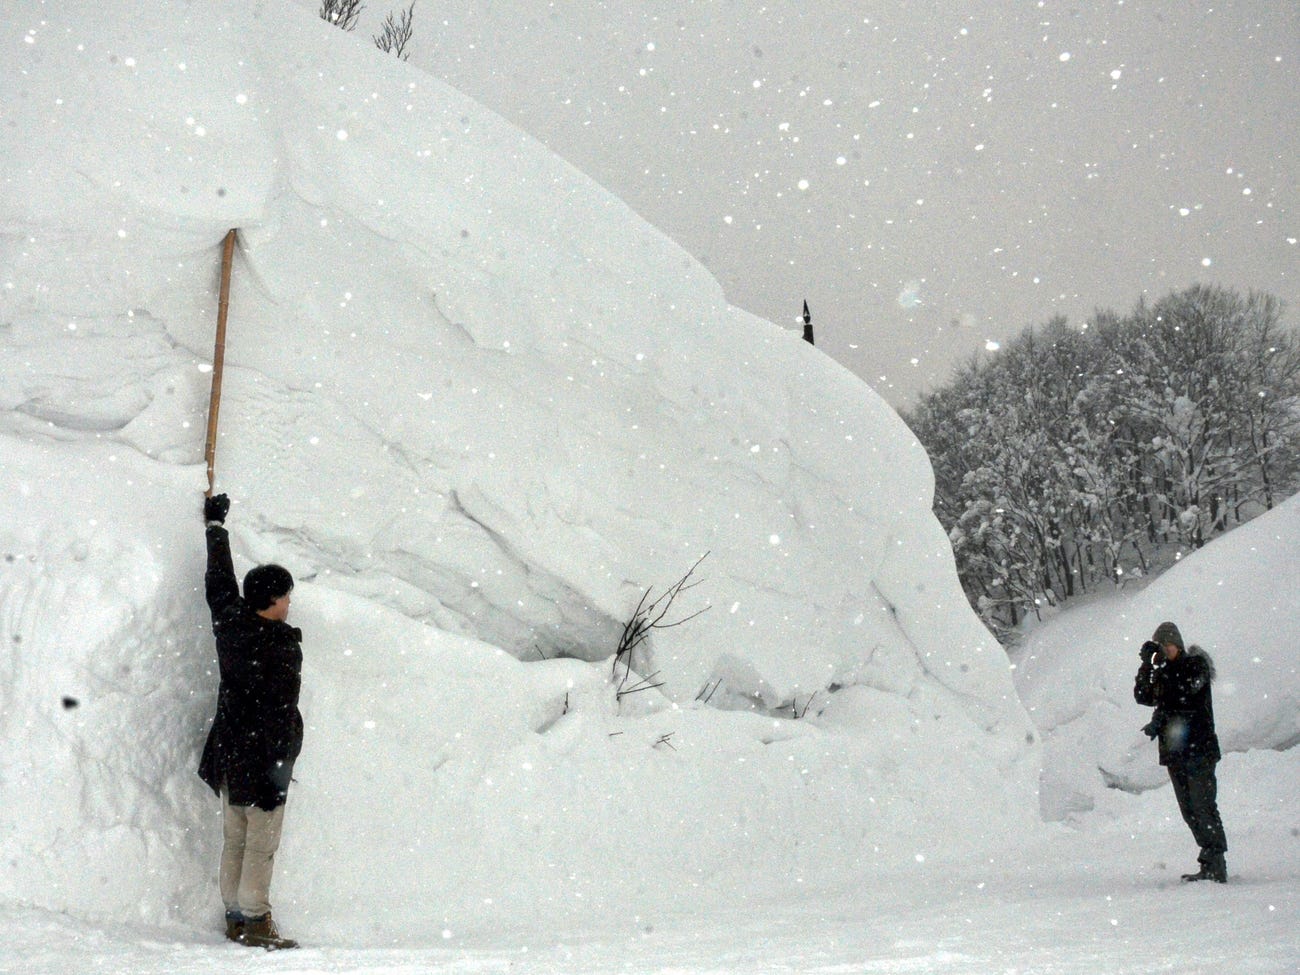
(256, 734)
(1179, 690)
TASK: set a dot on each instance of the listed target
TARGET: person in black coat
(256, 734)
(1176, 680)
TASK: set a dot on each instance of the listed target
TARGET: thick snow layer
(478, 407)
(1236, 598)
(1102, 896)
(460, 378)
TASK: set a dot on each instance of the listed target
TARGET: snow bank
(478, 407)
(105, 677)
(1235, 598)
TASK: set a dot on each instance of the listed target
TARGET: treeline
(1078, 456)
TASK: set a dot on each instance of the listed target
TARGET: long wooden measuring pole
(218, 357)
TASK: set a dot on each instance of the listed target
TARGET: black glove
(216, 508)
(1156, 725)
(1148, 653)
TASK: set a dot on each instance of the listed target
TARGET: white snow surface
(478, 407)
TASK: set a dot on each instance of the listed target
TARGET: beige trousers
(252, 836)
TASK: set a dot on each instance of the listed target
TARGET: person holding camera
(256, 734)
(1175, 680)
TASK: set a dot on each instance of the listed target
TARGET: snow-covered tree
(1077, 456)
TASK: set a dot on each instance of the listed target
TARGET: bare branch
(649, 615)
(794, 706)
(711, 689)
(644, 684)
(341, 13)
(396, 34)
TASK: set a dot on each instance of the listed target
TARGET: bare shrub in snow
(396, 33)
(650, 615)
(341, 13)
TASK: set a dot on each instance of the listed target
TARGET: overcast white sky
(931, 175)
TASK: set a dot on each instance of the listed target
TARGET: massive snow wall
(477, 406)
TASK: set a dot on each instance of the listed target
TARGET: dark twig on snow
(708, 690)
(644, 684)
(341, 13)
(794, 706)
(650, 615)
(396, 33)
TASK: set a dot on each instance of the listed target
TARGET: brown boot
(234, 926)
(261, 932)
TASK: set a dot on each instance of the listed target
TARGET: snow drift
(1235, 598)
(478, 407)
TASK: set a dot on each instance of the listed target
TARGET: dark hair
(264, 584)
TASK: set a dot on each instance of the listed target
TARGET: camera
(1150, 651)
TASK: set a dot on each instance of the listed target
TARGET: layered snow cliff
(478, 407)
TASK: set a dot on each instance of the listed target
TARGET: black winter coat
(1179, 689)
(257, 732)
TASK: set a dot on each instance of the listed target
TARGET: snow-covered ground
(478, 408)
(1099, 897)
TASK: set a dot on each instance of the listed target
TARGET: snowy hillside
(1236, 598)
(477, 407)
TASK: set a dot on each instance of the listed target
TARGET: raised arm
(220, 582)
(1144, 686)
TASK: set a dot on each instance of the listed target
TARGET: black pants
(1197, 790)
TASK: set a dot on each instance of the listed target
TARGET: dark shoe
(1213, 868)
(234, 926)
(261, 932)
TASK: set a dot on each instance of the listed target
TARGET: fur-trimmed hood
(1197, 651)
